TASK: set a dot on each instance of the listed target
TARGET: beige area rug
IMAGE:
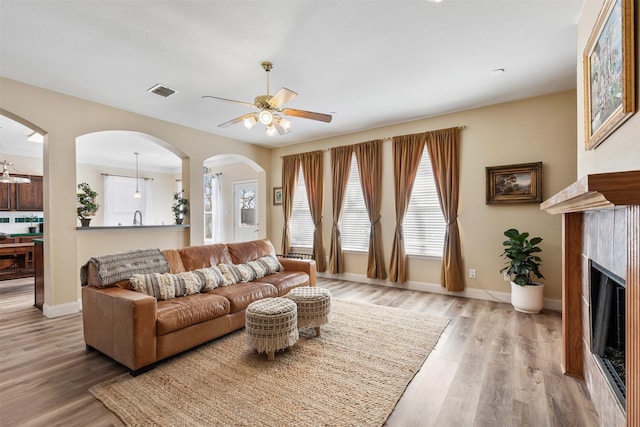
(353, 375)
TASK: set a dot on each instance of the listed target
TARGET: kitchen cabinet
(22, 197)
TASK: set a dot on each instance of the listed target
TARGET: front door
(245, 197)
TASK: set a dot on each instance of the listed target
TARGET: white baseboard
(435, 288)
(60, 310)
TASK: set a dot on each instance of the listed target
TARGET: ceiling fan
(271, 110)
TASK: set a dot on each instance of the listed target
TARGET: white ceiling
(369, 63)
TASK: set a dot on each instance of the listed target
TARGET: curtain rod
(125, 176)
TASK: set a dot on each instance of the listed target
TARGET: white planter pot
(527, 299)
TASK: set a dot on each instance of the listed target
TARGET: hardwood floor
(492, 366)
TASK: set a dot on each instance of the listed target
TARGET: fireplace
(601, 228)
(608, 327)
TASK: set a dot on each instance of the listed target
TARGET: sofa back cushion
(204, 256)
(243, 252)
(174, 260)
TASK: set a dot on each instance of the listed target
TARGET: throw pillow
(164, 286)
(235, 273)
(259, 268)
(272, 264)
(210, 278)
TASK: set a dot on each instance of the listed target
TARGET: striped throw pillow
(235, 273)
(210, 278)
(272, 264)
(165, 286)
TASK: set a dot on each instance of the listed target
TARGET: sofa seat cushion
(178, 313)
(284, 281)
(240, 295)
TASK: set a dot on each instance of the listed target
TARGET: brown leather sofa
(137, 330)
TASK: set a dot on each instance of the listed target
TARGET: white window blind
(301, 223)
(119, 203)
(424, 225)
(354, 223)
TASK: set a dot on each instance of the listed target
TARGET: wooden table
(22, 256)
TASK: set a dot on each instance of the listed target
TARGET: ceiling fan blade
(281, 97)
(248, 104)
(308, 115)
(234, 121)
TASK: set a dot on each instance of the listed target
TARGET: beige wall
(621, 150)
(537, 129)
(63, 118)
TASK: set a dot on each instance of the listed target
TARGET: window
(354, 223)
(424, 225)
(212, 217)
(119, 203)
(301, 223)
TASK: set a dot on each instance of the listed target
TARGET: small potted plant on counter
(180, 207)
(87, 205)
(522, 262)
(32, 219)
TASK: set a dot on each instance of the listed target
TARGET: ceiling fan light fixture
(285, 124)
(271, 130)
(249, 122)
(265, 117)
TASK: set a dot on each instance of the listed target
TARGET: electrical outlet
(506, 277)
(472, 273)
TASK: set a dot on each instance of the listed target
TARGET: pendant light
(5, 178)
(137, 194)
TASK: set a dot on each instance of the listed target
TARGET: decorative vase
(528, 298)
(32, 229)
(179, 220)
(85, 221)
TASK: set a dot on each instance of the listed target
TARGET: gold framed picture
(609, 75)
(514, 183)
(277, 196)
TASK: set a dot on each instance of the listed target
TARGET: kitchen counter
(132, 227)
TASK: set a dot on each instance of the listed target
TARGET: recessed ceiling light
(35, 137)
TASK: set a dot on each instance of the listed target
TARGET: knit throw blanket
(120, 266)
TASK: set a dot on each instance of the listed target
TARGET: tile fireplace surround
(601, 223)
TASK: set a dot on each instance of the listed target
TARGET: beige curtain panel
(340, 165)
(407, 151)
(444, 150)
(312, 169)
(290, 166)
(369, 157)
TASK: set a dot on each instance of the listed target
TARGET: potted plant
(180, 207)
(87, 205)
(522, 262)
(32, 219)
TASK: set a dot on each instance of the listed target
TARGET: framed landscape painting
(514, 183)
(609, 73)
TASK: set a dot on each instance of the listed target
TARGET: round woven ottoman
(271, 324)
(314, 306)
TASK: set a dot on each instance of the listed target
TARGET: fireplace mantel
(593, 196)
(596, 191)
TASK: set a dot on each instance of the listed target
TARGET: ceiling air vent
(161, 90)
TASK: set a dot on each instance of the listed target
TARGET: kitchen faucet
(135, 222)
